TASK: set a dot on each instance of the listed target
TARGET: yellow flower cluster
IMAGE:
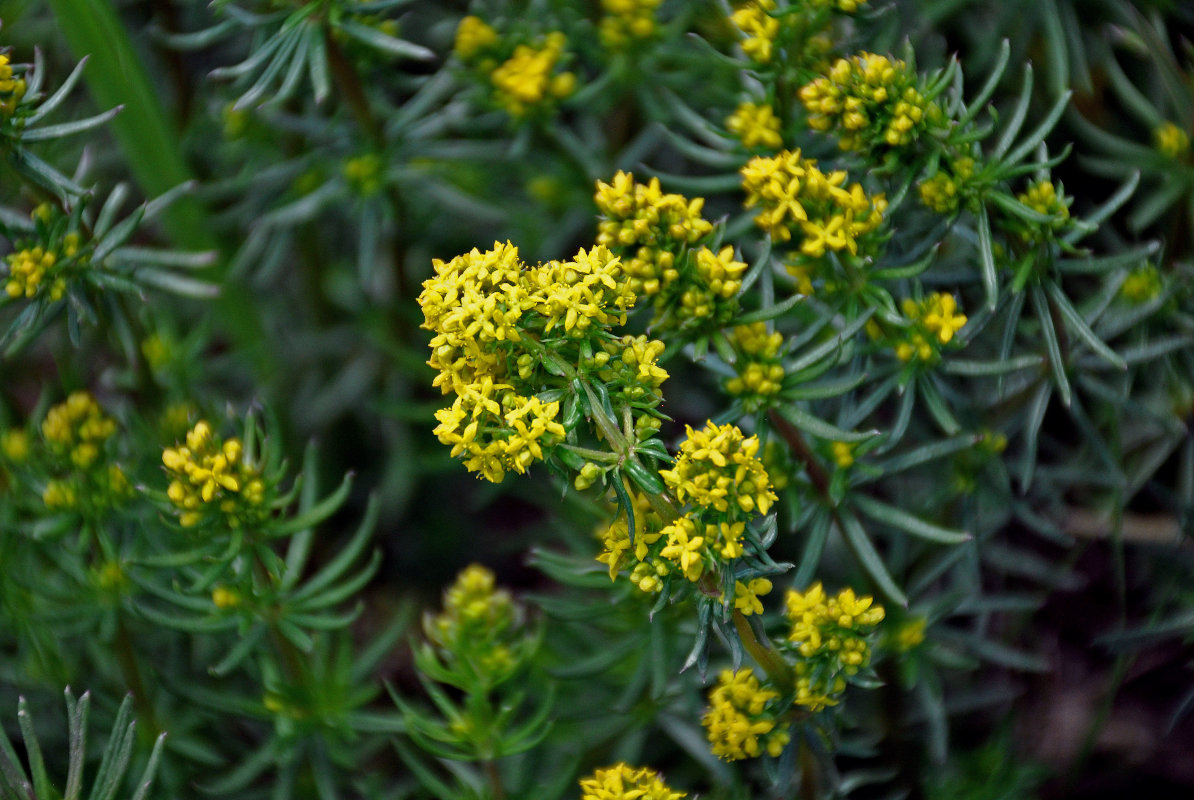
(27, 270)
(364, 174)
(78, 428)
(475, 621)
(793, 194)
(760, 370)
(909, 635)
(718, 469)
(829, 635)
(623, 782)
(629, 366)
(528, 77)
(943, 191)
(209, 477)
(868, 100)
(478, 305)
(649, 566)
(742, 718)
(932, 322)
(75, 432)
(12, 89)
(656, 234)
(14, 445)
(1171, 140)
(1043, 197)
(1142, 284)
(746, 595)
(627, 21)
(759, 29)
(756, 125)
(473, 37)
(495, 429)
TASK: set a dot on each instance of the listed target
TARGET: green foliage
(807, 363)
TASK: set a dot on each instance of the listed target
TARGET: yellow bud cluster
(868, 100)
(12, 88)
(627, 21)
(623, 782)
(1043, 197)
(78, 428)
(364, 174)
(760, 370)
(27, 272)
(476, 623)
(650, 226)
(528, 77)
(14, 445)
(718, 470)
(1142, 284)
(473, 37)
(1171, 140)
(909, 635)
(943, 191)
(759, 29)
(210, 478)
(794, 195)
(829, 635)
(742, 720)
(756, 125)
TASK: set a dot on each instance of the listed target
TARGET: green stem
(778, 670)
(495, 779)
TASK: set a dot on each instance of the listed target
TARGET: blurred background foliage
(256, 192)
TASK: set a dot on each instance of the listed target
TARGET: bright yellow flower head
(742, 718)
(627, 21)
(623, 782)
(758, 27)
(78, 427)
(526, 79)
(795, 196)
(473, 36)
(718, 470)
(756, 125)
(829, 634)
(209, 477)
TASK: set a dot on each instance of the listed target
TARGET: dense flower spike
(718, 469)
(830, 636)
(869, 100)
(623, 782)
(210, 480)
(756, 125)
(742, 720)
(625, 22)
(795, 196)
(528, 77)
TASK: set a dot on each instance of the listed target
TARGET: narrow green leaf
(979, 101)
(1076, 324)
(869, 559)
(1041, 131)
(909, 523)
(37, 765)
(1057, 365)
(773, 312)
(822, 429)
(814, 546)
(986, 253)
(69, 128)
(387, 44)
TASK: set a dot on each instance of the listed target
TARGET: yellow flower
(758, 27)
(746, 595)
(756, 125)
(525, 79)
(28, 270)
(1171, 140)
(210, 477)
(14, 444)
(473, 36)
(623, 782)
(843, 454)
(77, 428)
(910, 634)
(830, 635)
(794, 195)
(1142, 284)
(933, 321)
(625, 21)
(12, 89)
